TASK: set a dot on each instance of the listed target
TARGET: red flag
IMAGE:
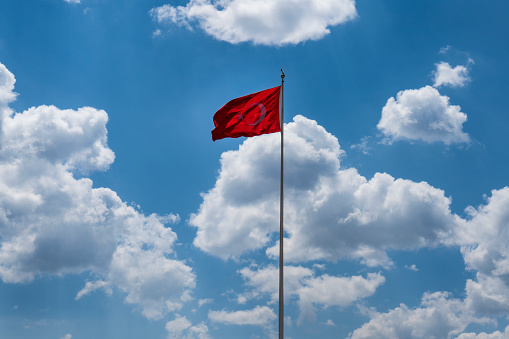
(247, 116)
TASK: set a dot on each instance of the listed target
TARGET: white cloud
(202, 302)
(330, 213)
(93, 286)
(364, 145)
(265, 281)
(484, 335)
(423, 114)
(266, 22)
(336, 291)
(73, 1)
(439, 317)
(53, 223)
(310, 291)
(445, 75)
(7, 94)
(181, 328)
(484, 240)
(67, 336)
(412, 268)
(259, 316)
(75, 139)
(445, 49)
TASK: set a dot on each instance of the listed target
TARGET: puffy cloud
(53, 223)
(260, 316)
(265, 281)
(76, 139)
(445, 75)
(267, 22)
(439, 317)
(181, 328)
(485, 235)
(330, 213)
(423, 114)
(7, 81)
(310, 291)
(484, 238)
(336, 291)
(488, 295)
(483, 335)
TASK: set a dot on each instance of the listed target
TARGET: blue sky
(120, 218)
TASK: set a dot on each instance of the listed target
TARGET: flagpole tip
(282, 73)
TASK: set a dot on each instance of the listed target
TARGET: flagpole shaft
(281, 229)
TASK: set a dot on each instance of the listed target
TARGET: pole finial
(282, 73)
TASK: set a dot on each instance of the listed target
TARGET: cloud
(483, 240)
(93, 286)
(202, 302)
(302, 285)
(423, 114)
(364, 145)
(330, 213)
(75, 139)
(439, 317)
(445, 49)
(483, 335)
(7, 94)
(266, 22)
(412, 268)
(181, 328)
(333, 213)
(259, 316)
(445, 75)
(67, 336)
(53, 222)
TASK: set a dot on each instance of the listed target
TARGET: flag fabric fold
(247, 116)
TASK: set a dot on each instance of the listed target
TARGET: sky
(121, 218)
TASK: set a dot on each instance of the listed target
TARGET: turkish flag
(247, 116)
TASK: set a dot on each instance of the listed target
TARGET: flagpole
(281, 230)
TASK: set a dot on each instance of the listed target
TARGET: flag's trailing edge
(247, 116)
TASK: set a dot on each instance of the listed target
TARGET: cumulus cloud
(438, 317)
(260, 316)
(333, 213)
(309, 290)
(181, 328)
(484, 335)
(266, 22)
(483, 239)
(423, 114)
(330, 213)
(445, 75)
(54, 223)
(7, 81)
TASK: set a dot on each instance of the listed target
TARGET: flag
(247, 116)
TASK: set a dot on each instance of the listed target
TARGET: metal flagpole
(281, 295)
